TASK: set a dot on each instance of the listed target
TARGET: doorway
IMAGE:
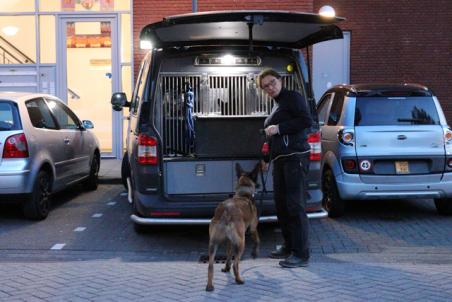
(88, 73)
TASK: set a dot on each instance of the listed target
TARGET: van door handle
(401, 137)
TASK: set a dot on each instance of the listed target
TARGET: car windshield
(380, 111)
(9, 119)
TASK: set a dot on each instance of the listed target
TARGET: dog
(231, 220)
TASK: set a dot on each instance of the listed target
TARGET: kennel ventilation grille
(214, 96)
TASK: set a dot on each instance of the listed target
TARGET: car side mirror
(87, 124)
(119, 100)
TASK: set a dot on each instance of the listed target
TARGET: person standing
(289, 152)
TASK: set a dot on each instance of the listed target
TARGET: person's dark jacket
(292, 116)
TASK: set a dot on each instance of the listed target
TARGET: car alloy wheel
(332, 202)
(37, 206)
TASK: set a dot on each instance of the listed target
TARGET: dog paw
(226, 270)
(209, 288)
(239, 281)
(254, 254)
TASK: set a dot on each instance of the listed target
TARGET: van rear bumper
(204, 221)
(154, 209)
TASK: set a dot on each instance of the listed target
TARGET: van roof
(269, 28)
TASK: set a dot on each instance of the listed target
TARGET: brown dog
(232, 218)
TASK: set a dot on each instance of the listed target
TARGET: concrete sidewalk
(130, 277)
(110, 171)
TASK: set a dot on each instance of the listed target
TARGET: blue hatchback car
(384, 142)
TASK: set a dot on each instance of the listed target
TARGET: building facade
(78, 50)
(83, 50)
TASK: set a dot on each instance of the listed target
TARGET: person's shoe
(293, 261)
(280, 252)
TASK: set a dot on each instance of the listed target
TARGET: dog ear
(255, 172)
(238, 170)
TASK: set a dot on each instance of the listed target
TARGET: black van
(196, 109)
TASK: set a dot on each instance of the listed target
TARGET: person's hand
(272, 130)
(264, 166)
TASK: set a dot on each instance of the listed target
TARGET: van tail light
(316, 146)
(147, 150)
(16, 146)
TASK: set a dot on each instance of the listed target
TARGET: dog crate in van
(197, 109)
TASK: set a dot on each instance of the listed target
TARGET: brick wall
(400, 41)
(149, 11)
(391, 40)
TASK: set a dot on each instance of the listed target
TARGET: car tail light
(346, 136)
(449, 162)
(349, 166)
(16, 146)
(316, 146)
(147, 150)
(447, 135)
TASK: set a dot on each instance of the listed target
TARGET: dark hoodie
(292, 115)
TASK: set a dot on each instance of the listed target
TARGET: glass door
(89, 72)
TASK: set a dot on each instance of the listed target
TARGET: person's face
(271, 85)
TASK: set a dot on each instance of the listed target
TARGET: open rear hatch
(211, 169)
(268, 28)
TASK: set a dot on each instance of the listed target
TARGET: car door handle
(67, 141)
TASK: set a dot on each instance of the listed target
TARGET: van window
(379, 111)
(139, 87)
(40, 115)
(9, 119)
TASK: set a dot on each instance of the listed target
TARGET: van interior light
(227, 60)
(327, 11)
(145, 44)
(10, 30)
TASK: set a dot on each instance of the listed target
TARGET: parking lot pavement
(379, 251)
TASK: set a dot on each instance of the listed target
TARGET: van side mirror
(119, 100)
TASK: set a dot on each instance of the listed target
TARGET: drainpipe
(194, 5)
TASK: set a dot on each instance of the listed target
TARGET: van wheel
(331, 202)
(93, 180)
(444, 206)
(37, 205)
(125, 170)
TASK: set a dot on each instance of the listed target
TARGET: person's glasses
(272, 83)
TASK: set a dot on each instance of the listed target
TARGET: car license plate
(402, 167)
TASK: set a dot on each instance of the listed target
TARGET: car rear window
(379, 111)
(9, 117)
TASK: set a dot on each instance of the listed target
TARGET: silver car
(45, 148)
(384, 142)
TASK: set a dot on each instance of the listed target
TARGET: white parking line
(111, 203)
(58, 246)
(79, 229)
(97, 215)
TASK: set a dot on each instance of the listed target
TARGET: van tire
(92, 181)
(37, 205)
(444, 206)
(125, 170)
(331, 201)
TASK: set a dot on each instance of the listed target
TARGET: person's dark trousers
(289, 177)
